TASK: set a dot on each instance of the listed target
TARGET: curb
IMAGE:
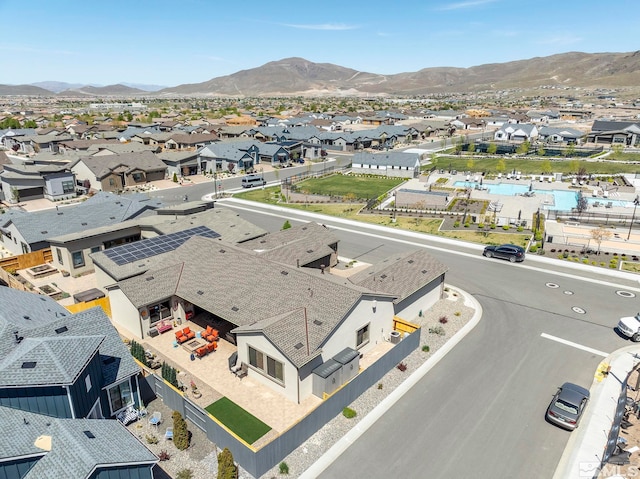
(586, 444)
(369, 420)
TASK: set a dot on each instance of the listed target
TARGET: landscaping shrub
(180, 432)
(443, 320)
(226, 465)
(505, 227)
(349, 413)
(185, 474)
(456, 224)
(284, 468)
(439, 330)
(402, 367)
(164, 455)
(425, 348)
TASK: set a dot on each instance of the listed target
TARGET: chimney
(18, 339)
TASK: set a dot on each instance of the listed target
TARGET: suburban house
(560, 136)
(175, 224)
(61, 374)
(29, 181)
(180, 163)
(219, 157)
(615, 132)
(46, 447)
(392, 163)
(186, 141)
(115, 172)
(517, 132)
(286, 320)
(23, 232)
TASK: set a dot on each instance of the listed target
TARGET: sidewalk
(583, 453)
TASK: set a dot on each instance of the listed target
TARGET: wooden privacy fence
(102, 302)
(27, 260)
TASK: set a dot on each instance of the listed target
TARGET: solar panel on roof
(146, 248)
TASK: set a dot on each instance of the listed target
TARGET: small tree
(226, 465)
(582, 203)
(500, 165)
(472, 147)
(523, 148)
(470, 164)
(180, 431)
(541, 151)
(175, 177)
(15, 194)
(600, 234)
(545, 166)
(286, 225)
(492, 149)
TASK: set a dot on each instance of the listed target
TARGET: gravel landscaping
(444, 319)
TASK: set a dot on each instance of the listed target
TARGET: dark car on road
(511, 252)
(567, 406)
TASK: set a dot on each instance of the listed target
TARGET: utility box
(349, 358)
(326, 378)
(394, 337)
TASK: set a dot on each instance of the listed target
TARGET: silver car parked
(567, 406)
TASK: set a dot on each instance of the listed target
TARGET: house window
(160, 311)
(95, 249)
(138, 177)
(112, 182)
(87, 383)
(68, 187)
(78, 259)
(25, 248)
(120, 396)
(59, 254)
(362, 336)
(274, 368)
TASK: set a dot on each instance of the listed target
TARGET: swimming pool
(563, 200)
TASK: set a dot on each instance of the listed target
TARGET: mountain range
(297, 76)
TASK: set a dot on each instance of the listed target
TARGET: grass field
(343, 185)
(534, 166)
(242, 423)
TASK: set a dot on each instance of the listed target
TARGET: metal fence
(258, 461)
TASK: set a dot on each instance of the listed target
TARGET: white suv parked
(630, 327)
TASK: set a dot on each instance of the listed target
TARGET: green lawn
(342, 185)
(533, 166)
(246, 426)
(269, 195)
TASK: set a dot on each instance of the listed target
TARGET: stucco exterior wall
(123, 313)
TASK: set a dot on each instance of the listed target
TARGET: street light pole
(633, 217)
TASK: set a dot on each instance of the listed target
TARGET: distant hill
(24, 90)
(297, 76)
(111, 90)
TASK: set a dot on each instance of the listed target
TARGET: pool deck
(518, 205)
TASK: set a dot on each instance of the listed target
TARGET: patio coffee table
(194, 344)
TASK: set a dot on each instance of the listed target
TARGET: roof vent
(89, 434)
(410, 261)
(317, 322)
(424, 271)
(83, 224)
(223, 251)
(112, 217)
(27, 317)
(17, 337)
(200, 292)
(298, 346)
(309, 251)
(263, 241)
(284, 273)
(28, 365)
(235, 309)
(43, 232)
(61, 330)
(60, 213)
(149, 278)
(383, 276)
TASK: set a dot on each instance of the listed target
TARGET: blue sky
(190, 41)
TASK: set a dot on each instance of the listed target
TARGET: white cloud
(321, 26)
(467, 4)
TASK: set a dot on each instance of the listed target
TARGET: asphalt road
(480, 412)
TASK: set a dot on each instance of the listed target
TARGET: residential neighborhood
(275, 313)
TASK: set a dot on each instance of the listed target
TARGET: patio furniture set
(201, 344)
